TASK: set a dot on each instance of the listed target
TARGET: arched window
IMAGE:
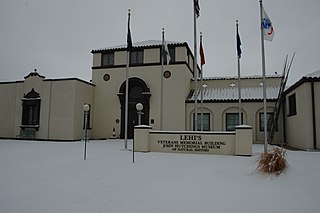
(31, 110)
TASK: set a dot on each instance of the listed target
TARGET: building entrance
(138, 93)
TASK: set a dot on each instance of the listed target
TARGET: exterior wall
(8, 107)
(65, 120)
(299, 126)
(120, 58)
(106, 115)
(317, 111)
(84, 94)
(250, 112)
(181, 54)
(61, 115)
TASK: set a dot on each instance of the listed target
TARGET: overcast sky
(57, 36)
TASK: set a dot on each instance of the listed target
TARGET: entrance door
(138, 93)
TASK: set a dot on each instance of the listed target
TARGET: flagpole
(264, 82)
(127, 89)
(195, 70)
(201, 87)
(239, 75)
(161, 82)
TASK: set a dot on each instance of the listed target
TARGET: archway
(138, 93)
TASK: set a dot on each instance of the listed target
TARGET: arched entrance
(138, 93)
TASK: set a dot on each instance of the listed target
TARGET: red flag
(203, 60)
(196, 7)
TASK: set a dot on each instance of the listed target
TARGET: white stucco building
(51, 109)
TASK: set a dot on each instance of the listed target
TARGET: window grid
(292, 105)
(270, 119)
(107, 59)
(136, 57)
(232, 120)
(206, 122)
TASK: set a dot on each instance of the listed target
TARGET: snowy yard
(44, 177)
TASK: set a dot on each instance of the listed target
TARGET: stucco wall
(176, 89)
(61, 114)
(250, 112)
(8, 108)
(317, 111)
(299, 127)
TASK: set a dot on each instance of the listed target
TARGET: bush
(273, 162)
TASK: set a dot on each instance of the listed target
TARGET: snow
(232, 93)
(53, 177)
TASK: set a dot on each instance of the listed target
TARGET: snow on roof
(231, 94)
(148, 43)
(242, 77)
(315, 74)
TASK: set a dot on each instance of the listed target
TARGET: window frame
(136, 57)
(270, 115)
(236, 115)
(205, 114)
(31, 105)
(292, 105)
(110, 59)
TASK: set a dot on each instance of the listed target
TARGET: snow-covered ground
(44, 177)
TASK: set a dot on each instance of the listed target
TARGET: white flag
(166, 51)
(268, 31)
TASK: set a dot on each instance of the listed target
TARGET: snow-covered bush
(273, 162)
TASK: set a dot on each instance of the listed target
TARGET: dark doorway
(138, 93)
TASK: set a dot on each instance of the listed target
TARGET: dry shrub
(273, 162)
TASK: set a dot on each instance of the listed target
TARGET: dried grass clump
(273, 162)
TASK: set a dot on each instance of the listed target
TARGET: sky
(56, 37)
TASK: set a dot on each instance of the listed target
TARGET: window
(31, 109)
(292, 105)
(232, 120)
(206, 122)
(107, 59)
(270, 119)
(136, 57)
(172, 52)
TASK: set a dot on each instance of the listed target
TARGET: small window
(107, 59)
(136, 57)
(172, 51)
(270, 119)
(232, 120)
(292, 105)
(206, 122)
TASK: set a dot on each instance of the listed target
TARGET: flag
(203, 60)
(196, 8)
(129, 40)
(166, 51)
(268, 31)
(238, 45)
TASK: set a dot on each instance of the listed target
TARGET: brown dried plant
(273, 162)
